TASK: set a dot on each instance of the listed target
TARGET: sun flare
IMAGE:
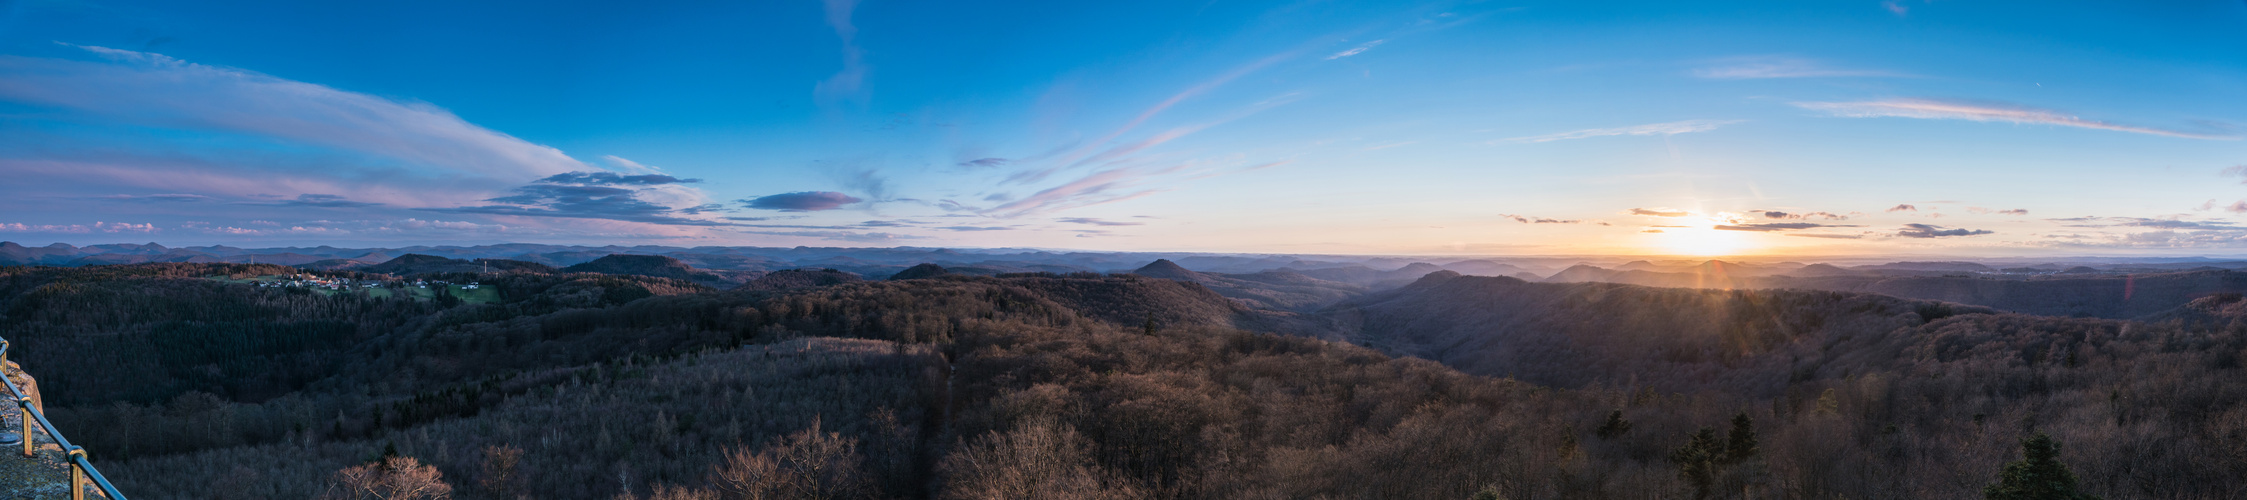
(1703, 241)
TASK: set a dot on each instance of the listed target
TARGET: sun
(1702, 241)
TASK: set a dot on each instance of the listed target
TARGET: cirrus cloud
(1934, 109)
(1659, 212)
(1770, 67)
(1668, 128)
(1541, 220)
(159, 90)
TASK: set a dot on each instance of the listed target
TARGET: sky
(1923, 127)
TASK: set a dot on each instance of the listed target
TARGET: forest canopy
(1107, 386)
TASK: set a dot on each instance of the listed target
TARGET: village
(310, 281)
(375, 287)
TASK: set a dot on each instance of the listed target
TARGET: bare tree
(498, 477)
(1039, 459)
(809, 464)
(393, 478)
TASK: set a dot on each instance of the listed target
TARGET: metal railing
(80, 470)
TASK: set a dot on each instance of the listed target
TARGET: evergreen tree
(1615, 426)
(2038, 475)
(1697, 461)
(1740, 443)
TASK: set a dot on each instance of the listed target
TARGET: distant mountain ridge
(1675, 338)
(2080, 294)
(1377, 272)
(409, 264)
(1282, 289)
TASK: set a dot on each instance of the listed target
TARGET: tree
(809, 464)
(1615, 426)
(1697, 461)
(1488, 493)
(392, 478)
(498, 477)
(2038, 475)
(1740, 443)
(1038, 459)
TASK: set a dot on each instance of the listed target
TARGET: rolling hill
(1106, 386)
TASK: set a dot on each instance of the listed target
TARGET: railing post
(77, 473)
(24, 403)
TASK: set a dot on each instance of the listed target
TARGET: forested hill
(1093, 386)
(2114, 296)
(1674, 339)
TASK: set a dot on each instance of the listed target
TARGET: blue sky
(1750, 128)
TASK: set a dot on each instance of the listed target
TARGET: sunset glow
(1703, 241)
(1949, 128)
(1149, 249)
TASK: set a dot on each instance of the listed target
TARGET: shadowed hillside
(798, 278)
(1675, 339)
(1283, 289)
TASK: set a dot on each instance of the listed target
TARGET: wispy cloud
(1659, 212)
(103, 227)
(324, 201)
(850, 236)
(848, 83)
(1760, 68)
(1984, 112)
(1831, 236)
(1669, 128)
(1091, 152)
(154, 89)
(1903, 207)
(1985, 211)
(1097, 222)
(1775, 214)
(613, 179)
(1089, 190)
(580, 202)
(1777, 226)
(1360, 49)
(984, 162)
(2153, 239)
(648, 198)
(168, 197)
(630, 166)
(1540, 220)
(1934, 231)
(2158, 223)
